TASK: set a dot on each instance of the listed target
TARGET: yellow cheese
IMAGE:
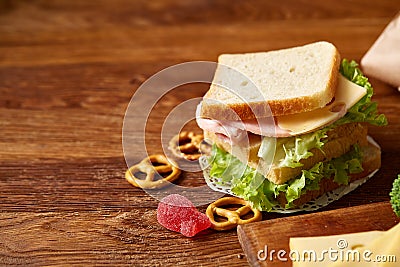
(346, 95)
(374, 248)
(383, 251)
(319, 244)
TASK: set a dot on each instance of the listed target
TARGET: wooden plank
(275, 234)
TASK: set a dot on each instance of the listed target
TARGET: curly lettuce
(364, 110)
(301, 148)
(250, 185)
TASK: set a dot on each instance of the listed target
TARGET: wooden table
(67, 72)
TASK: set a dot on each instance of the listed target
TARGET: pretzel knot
(233, 216)
(146, 166)
(186, 145)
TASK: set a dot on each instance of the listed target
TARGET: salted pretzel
(233, 216)
(186, 145)
(146, 166)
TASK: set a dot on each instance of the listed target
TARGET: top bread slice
(275, 83)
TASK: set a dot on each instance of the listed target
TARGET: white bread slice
(288, 81)
(339, 141)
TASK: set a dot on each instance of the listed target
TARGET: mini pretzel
(233, 216)
(190, 147)
(146, 166)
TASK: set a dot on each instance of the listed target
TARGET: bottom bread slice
(371, 162)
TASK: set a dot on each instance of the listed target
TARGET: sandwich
(287, 126)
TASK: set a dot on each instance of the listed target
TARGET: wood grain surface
(68, 70)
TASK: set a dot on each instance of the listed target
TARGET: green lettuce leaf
(310, 179)
(364, 110)
(245, 183)
(250, 185)
(300, 148)
(348, 163)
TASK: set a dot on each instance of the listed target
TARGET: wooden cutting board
(275, 233)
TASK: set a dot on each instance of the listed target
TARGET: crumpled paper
(382, 61)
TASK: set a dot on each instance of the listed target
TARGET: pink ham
(236, 131)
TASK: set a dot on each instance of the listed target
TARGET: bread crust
(245, 111)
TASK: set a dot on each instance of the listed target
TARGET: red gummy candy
(177, 213)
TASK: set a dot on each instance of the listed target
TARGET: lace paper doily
(217, 185)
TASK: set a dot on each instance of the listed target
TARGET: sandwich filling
(263, 193)
(302, 161)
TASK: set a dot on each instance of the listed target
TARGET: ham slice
(235, 131)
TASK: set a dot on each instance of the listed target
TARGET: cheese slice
(347, 94)
(319, 244)
(374, 248)
(383, 251)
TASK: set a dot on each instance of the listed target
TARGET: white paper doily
(217, 185)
